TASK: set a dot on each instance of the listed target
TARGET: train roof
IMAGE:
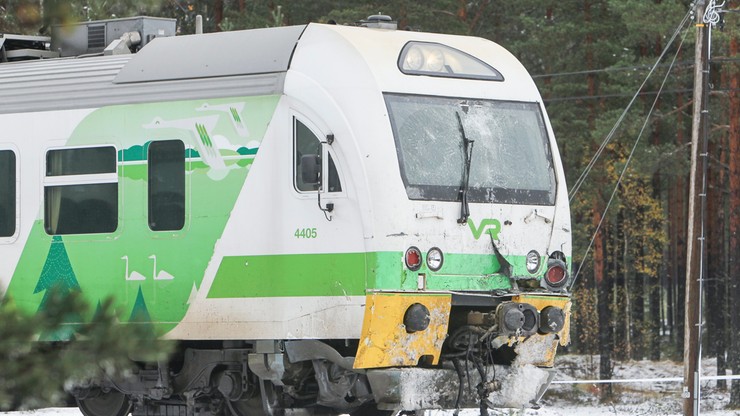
(247, 63)
(246, 52)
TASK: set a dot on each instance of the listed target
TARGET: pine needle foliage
(34, 373)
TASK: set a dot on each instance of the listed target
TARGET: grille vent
(96, 36)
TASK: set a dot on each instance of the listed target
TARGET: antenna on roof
(379, 21)
(199, 25)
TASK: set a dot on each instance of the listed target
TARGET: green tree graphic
(140, 313)
(58, 279)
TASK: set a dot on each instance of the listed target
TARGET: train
(325, 219)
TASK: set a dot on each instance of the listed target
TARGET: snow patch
(519, 387)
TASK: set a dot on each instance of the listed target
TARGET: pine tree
(39, 352)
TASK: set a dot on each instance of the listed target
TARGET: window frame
(184, 187)
(104, 178)
(492, 195)
(16, 193)
(327, 151)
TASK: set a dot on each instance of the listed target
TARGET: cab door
(325, 223)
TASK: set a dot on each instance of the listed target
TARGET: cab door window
(307, 143)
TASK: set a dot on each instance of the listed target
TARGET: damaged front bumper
(444, 388)
(461, 373)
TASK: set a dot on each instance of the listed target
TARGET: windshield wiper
(468, 149)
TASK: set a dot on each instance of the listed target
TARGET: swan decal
(161, 275)
(134, 274)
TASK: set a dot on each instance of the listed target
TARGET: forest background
(589, 59)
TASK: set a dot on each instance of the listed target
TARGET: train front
(469, 248)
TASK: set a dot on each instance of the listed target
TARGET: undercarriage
(489, 359)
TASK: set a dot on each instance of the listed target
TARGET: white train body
(360, 197)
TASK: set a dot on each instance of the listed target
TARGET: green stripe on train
(348, 274)
(290, 275)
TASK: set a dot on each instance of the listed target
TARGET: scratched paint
(385, 342)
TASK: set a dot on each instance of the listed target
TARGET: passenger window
(7, 193)
(81, 191)
(307, 143)
(83, 161)
(166, 185)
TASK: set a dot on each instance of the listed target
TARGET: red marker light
(555, 275)
(413, 258)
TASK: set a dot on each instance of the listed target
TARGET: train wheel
(262, 403)
(251, 407)
(112, 403)
(370, 409)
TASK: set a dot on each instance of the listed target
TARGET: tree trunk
(602, 285)
(627, 277)
(606, 342)
(734, 217)
(638, 317)
(619, 275)
(723, 278)
(218, 14)
(655, 320)
(651, 286)
(678, 221)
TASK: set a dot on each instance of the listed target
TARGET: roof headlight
(435, 259)
(435, 60)
(438, 60)
(414, 59)
(533, 261)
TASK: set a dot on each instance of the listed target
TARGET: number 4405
(305, 233)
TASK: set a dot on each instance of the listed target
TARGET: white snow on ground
(642, 398)
(633, 399)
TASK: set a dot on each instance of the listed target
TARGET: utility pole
(697, 201)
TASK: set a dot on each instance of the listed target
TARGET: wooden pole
(693, 246)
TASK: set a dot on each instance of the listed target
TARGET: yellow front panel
(540, 302)
(540, 349)
(386, 343)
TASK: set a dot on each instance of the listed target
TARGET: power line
(681, 64)
(645, 93)
(609, 136)
(633, 68)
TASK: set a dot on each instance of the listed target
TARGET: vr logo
(490, 225)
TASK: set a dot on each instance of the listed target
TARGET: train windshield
(509, 157)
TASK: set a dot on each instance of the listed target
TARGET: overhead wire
(642, 94)
(632, 151)
(683, 64)
(632, 68)
(582, 178)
